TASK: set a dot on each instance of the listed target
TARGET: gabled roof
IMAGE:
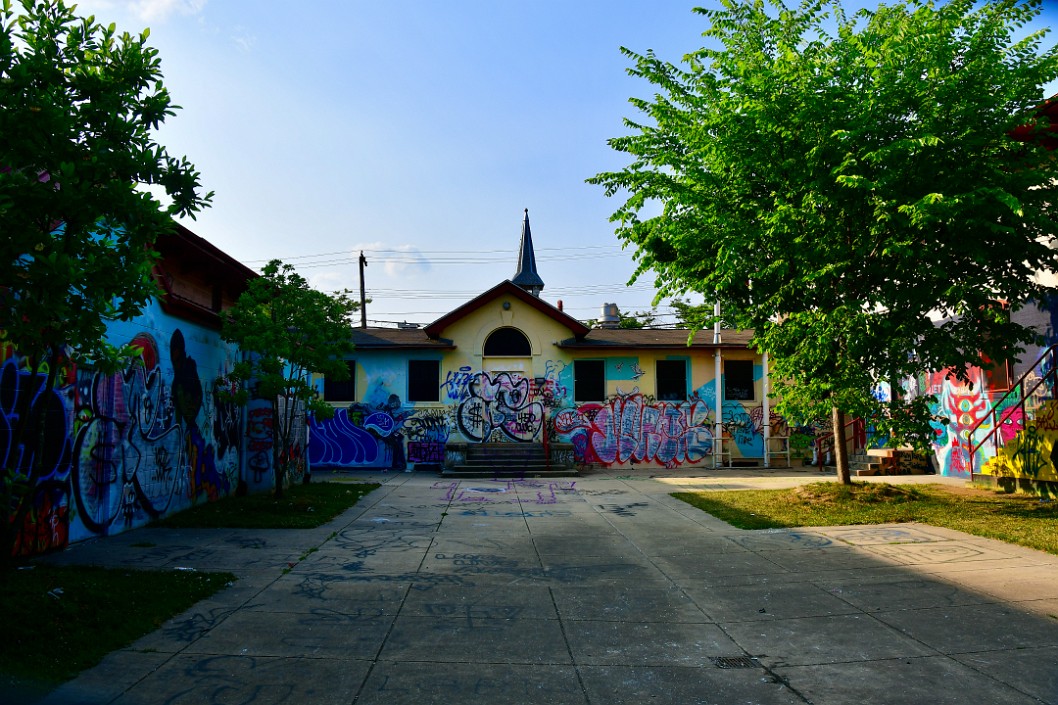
(180, 249)
(526, 276)
(393, 338)
(671, 338)
(507, 288)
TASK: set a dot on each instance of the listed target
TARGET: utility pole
(363, 296)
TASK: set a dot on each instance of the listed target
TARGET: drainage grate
(734, 662)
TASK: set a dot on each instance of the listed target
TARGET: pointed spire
(526, 276)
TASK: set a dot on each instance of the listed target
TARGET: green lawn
(1014, 518)
(302, 507)
(59, 621)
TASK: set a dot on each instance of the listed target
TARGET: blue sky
(415, 131)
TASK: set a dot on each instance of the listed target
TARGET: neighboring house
(509, 367)
(154, 438)
(979, 426)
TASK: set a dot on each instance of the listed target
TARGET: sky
(416, 132)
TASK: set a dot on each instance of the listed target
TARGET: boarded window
(738, 380)
(333, 390)
(507, 341)
(589, 380)
(671, 380)
(424, 380)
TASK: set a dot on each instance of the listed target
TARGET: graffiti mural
(500, 408)
(142, 450)
(46, 525)
(341, 441)
(481, 406)
(259, 439)
(361, 436)
(122, 449)
(1032, 453)
(959, 407)
(427, 431)
(631, 429)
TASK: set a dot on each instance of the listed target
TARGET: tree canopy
(290, 331)
(847, 187)
(79, 106)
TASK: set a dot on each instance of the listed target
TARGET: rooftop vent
(610, 316)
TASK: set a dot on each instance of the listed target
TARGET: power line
(412, 253)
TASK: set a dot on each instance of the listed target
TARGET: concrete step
(536, 471)
(511, 460)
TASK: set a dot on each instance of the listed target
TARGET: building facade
(509, 367)
(126, 448)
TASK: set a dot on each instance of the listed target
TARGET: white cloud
(396, 260)
(157, 10)
(244, 39)
(331, 281)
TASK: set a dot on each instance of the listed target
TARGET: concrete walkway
(604, 590)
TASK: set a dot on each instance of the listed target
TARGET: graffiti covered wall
(478, 406)
(122, 449)
(1031, 451)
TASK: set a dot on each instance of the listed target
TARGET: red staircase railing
(825, 443)
(994, 435)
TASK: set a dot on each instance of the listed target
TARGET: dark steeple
(526, 276)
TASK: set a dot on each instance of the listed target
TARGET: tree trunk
(841, 453)
(278, 469)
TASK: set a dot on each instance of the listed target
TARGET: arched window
(507, 341)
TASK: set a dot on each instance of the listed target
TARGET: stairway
(887, 461)
(506, 460)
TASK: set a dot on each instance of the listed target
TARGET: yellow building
(509, 368)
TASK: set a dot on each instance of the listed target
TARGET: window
(671, 380)
(333, 390)
(424, 380)
(589, 380)
(738, 380)
(507, 341)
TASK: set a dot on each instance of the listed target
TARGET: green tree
(290, 332)
(837, 182)
(690, 315)
(79, 105)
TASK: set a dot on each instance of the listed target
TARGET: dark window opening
(672, 380)
(333, 390)
(424, 380)
(589, 380)
(507, 341)
(738, 380)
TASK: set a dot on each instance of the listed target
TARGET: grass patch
(302, 507)
(59, 621)
(1017, 519)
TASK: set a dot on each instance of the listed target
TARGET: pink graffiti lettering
(629, 429)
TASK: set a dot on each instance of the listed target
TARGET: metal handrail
(1019, 386)
(859, 432)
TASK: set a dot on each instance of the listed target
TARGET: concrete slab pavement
(600, 589)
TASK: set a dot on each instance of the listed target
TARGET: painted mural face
(1032, 453)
